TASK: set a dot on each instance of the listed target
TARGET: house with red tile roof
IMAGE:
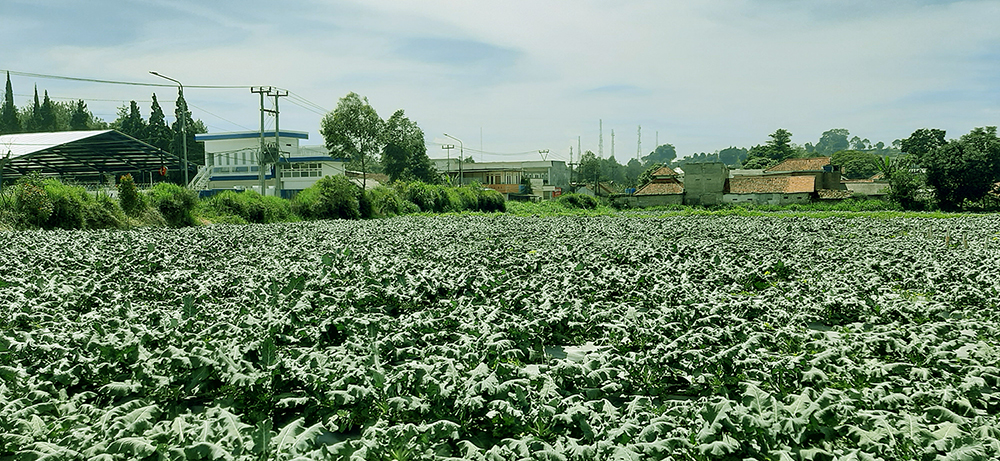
(772, 189)
(664, 189)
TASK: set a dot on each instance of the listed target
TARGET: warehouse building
(234, 163)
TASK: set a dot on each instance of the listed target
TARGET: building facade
(233, 161)
(548, 178)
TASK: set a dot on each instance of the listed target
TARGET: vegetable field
(497, 338)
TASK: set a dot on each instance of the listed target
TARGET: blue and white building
(232, 162)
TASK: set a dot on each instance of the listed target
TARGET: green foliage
(923, 141)
(856, 164)
(500, 337)
(832, 141)
(404, 156)
(964, 170)
(9, 122)
(32, 203)
(647, 175)
(490, 201)
(68, 204)
(175, 203)
(249, 206)
(132, 202)
(663, 154)
(332, 197)
(386, 202)
(580, 201)
(354, 131)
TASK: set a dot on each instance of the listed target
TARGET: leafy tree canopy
(663, 154)
(354, 130)
(922, 141)
(856, 164)
(832, 141)
(964, 169)
(404, 156)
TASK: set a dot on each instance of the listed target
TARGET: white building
(232, 161)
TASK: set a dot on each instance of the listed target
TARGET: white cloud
(535, 74)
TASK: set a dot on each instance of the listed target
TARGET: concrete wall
(704, 183)
(658, 200)
(767, 199)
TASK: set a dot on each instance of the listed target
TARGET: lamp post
(461, 153)
(183, 124)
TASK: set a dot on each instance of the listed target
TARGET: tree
(404, 156)
(646, 176)
(130, 121)
(777, 149)
(353, 130)
(47, 115)
(732, 156)
(904, 185)
(9, 123)
(632, 171)
(80, 117)
(921, 142)
(964, 169)
(856, 164)
(34, 122)
(158, 134)
(195, 150)
(589, 169)
(663, 154)
(832, 141)
(780, 145)
(612, 171)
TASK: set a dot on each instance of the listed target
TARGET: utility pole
(461, 153)
(261, 161)
(184, 117)
(276, 93)
(448, 147)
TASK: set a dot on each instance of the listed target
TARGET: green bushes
(175, 203)
(584, 202)
(248, 206)
(332, 197)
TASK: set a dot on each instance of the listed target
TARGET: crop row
(473, 337)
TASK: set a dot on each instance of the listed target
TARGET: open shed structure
(82, 156)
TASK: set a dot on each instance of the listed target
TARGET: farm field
(501, 337)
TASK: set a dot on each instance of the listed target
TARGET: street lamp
(448, 147)
(183, 124)
(461, 153)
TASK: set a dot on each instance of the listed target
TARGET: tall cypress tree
(35, 115)
(9, 122)
(47, 115)
(158, 134)
(195, 150)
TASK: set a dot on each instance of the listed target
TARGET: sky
(513, 77)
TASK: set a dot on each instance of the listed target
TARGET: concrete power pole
(277, 142)
(261, 160)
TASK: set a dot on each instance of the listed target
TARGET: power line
(118, 82)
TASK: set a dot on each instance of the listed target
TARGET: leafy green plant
(132, 202)
(175, 203)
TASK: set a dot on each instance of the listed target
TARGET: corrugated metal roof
(81, 153)
(27, 143)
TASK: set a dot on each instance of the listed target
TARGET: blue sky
(518, 76)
